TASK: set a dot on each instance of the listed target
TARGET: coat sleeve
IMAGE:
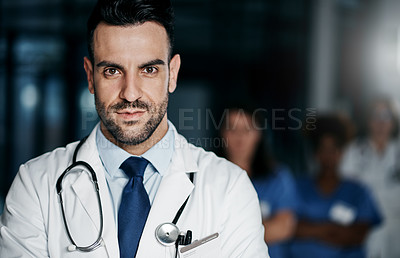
(22, 227)
(243, 232)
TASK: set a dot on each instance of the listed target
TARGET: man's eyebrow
(109, 64)
(152, 62)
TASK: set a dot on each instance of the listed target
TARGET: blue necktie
(134, 208)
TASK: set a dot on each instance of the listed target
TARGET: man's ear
(87, 64)
(174, 66)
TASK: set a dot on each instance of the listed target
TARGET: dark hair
(131, 12)
(263, 163)
(333, 125)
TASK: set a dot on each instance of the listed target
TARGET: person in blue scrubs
(336, 215)
(278, 201)
(242, 133)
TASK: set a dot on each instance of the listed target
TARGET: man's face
(131, 79)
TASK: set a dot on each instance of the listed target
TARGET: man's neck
(141, 148)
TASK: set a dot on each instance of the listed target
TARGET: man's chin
(131, 128)
(131, 138)
(132, 134)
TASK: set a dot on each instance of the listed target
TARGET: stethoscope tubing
(74, 164)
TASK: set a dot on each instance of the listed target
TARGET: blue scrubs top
(349, 203)
(277, 192)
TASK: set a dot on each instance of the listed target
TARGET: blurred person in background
(335, 215)
(244, 145)
(374, 161)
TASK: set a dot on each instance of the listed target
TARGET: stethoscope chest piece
(167, 233)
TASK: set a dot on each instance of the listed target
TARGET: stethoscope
(166, 234)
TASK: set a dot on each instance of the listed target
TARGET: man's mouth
(128, 114)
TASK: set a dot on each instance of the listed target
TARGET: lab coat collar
(185, 161)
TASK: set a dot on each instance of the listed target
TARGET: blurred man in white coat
(134, 184)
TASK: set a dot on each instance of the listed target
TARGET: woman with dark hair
(335, 214)
(373, 159)
(244, 146)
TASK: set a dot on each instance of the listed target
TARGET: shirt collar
(159, 155)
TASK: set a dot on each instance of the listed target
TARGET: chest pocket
(207, 247)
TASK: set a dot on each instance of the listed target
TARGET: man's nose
(131, 90)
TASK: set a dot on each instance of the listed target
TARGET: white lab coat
(380, 173)
(222, 199)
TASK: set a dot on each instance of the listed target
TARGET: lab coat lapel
(174, 189)
(85, 193)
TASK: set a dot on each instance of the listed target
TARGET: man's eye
(150, 70)
(111, 71)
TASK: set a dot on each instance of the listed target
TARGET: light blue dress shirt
(159, 157)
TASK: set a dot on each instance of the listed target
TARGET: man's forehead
(148, 37)
(139, 29)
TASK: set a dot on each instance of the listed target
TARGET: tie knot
(134, 166)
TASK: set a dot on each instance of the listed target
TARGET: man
(131, 71)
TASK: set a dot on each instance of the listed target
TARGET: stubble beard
(129, 137)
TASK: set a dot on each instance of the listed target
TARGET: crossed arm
(279, 227)
(331, 233)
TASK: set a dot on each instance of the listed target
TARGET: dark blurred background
(293, 58)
